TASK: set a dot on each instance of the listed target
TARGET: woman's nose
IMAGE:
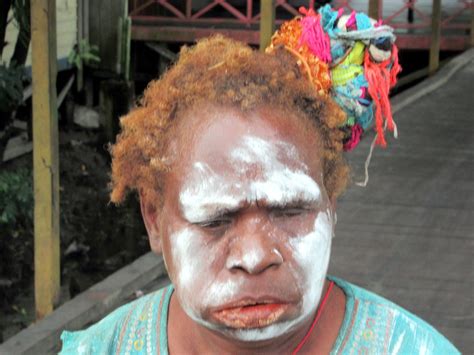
(253, 249)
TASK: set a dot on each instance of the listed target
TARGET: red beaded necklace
(316, 318)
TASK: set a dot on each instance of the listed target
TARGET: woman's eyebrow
(298, 202)
(220, 211)
(208, 210)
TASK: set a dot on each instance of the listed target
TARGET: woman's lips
(251, 314)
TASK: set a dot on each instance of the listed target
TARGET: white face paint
(207, 192)
(281, 179)
(312, 252)
(192, 281)
(250, 260)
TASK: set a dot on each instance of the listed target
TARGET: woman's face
(246, 224)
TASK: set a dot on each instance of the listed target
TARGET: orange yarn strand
(381, 79)
(396, 68)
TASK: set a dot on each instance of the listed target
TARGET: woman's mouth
(250, 314)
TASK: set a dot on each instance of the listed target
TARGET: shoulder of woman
(376, 323)
(106, 335)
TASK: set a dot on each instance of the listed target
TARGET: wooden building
(67, 34)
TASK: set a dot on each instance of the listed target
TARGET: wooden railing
(412, 19)
(245, 12)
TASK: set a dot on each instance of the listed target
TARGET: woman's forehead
(236, 158)
(223, 136)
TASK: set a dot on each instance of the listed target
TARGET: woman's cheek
(192, 264)
(187, 261)
(311, 254)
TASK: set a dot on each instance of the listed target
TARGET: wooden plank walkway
(409, 235)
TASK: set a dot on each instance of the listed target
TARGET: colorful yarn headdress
(353, 59)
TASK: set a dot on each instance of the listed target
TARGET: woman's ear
(333, 204)
(152, 219)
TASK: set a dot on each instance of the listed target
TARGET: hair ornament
(353, 59)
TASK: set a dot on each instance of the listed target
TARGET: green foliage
(84, 53)
(16, 230)
(16, 201)
(20, 310)
(21, 13)
(11, 87)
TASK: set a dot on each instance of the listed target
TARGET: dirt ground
(97, 238)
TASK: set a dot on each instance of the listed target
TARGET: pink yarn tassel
(351, 24)
(314, 37)
(356, 132)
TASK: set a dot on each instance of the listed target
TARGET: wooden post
(127, 46)
(435, 37)
(124, 40)
(374, 9)
(267, 22)
(472, 24)
(115, 101)
(411, 12)
(45, 156)
(119, 67)
(83, 35)
(79, 37)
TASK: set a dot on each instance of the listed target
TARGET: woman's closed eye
(215, 223)
(289, 212)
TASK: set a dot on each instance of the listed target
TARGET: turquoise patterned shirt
(372, 325)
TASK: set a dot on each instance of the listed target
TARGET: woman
(237, 159)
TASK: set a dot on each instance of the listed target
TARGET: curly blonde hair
(220, 71)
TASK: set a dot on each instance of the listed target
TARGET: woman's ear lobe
(333, 204)
(151, 218)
